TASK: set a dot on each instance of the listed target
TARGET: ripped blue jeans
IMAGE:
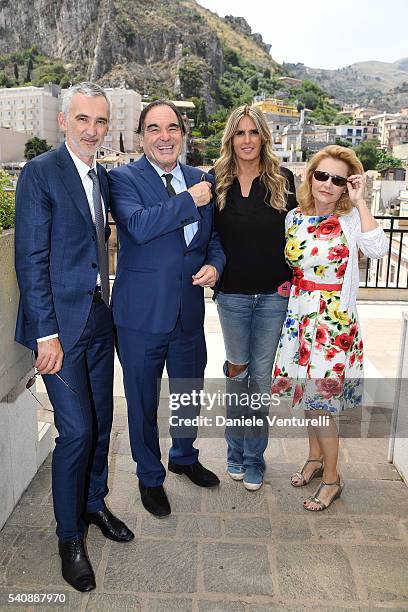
(251, 327)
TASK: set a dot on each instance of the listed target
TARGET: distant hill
(385, 84)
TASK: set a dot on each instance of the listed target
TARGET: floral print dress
(320, 354)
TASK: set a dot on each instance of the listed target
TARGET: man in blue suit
(168, 253)
(62, 203)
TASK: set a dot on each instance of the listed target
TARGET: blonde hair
(343, 204)
(226, 167)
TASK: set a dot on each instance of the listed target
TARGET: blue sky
(325, 34)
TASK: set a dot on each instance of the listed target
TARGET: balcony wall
(24, 443)
(398, 451)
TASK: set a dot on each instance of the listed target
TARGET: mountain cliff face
(159, 47)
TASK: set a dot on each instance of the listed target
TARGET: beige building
(392, 129)
(12, 145)
(401, 152)
(32, 110)
(290, 81)
(396, 131)
(364, 112)
(126, 108)
(278, 115)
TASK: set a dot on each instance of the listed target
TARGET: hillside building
(278, 115)
(126, 108)
(392, 129)
(12, 145)
(32, 110)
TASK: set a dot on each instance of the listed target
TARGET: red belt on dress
(312, 286)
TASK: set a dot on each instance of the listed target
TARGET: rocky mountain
(385, 84)
(159, 47)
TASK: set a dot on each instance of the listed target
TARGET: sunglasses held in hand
(31, 382)
(338, 181)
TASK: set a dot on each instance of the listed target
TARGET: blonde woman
(253, 196)
(321, 346)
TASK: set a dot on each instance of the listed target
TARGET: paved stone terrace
(228, 550)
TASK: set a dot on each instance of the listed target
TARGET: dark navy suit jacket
(55, 249)
(155, 266)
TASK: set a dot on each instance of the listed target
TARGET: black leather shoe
(197, 473)
(111, 527)
(154, 499)
(76, 567)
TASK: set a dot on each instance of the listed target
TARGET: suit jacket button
(94, 265)
(90, 292)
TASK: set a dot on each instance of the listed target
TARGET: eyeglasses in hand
(31, 382)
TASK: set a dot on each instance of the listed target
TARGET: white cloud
(322, 34)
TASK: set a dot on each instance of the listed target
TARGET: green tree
(201, 121)
(4, 79)
(367, 154)
(194, 157)
(121, 145)
(65, 82)
(343, 143)
(310, 99)
(385, 160)
(231, 57)
(35, 146)
(254, 82)
(191, 76)
(6, 201)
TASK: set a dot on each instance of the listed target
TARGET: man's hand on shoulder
(201, 193)
(50, 356)
(207, 276)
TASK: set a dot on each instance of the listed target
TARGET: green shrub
(6, 202)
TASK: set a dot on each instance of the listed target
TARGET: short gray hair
(87, 89)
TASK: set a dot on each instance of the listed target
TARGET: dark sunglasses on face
(338, 181)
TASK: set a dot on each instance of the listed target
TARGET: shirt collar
(81, 166)
(176, 172)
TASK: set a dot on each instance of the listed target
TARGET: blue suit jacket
(55, 249)
(153, 279)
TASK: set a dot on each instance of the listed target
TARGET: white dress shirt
(179, 184)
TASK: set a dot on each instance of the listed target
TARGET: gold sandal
(315, 499)
(315, 474)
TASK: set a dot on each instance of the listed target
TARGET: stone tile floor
(228, 550)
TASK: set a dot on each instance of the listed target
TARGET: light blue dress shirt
(179, 185)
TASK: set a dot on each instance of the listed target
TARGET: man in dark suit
(62, 269)
(169, 252)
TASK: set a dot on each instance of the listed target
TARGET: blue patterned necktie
(100, 236)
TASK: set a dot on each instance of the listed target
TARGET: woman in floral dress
(321, 351)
